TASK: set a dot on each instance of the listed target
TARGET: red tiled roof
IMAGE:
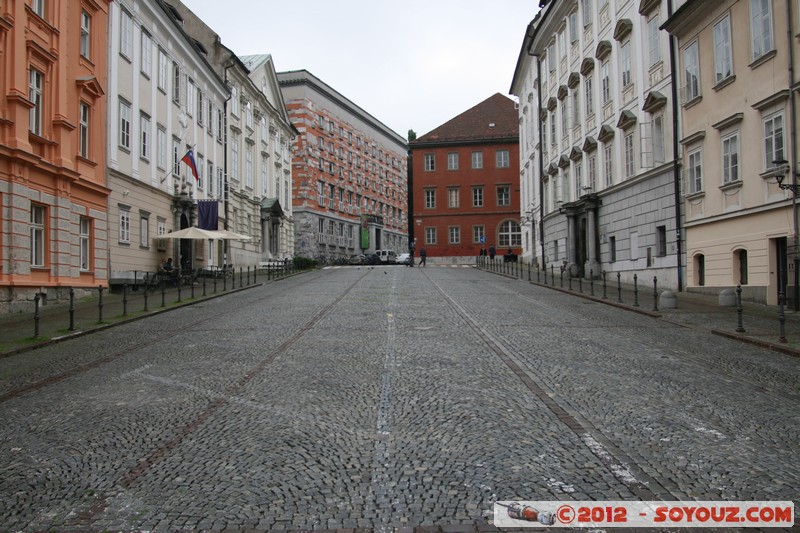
(494, 118)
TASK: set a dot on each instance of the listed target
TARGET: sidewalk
(761, 323)
(18, 330)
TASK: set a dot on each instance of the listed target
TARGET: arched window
(740, 266)
(509, 234)
(700, 269)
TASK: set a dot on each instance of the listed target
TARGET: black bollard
(36, 299)
(605, 293)
(619, 287)
(215, 284)
(233, 278)
(163, 293)
(739, 327)
(224, 280)
(248, 275)
(100, 305)
(591, 282)
(655, 293)
(125, 299)
(71, 309)
(635, 290)
(782, 318)
(241, 284)
(580, 284)
(145, 295)
(529, 270)
(552, 276)
(191, 288)
(179, 286)
(204, 286)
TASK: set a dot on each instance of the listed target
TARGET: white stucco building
(599, 175)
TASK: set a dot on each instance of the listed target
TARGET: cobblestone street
(386, 397)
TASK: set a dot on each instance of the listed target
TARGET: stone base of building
(22, 299)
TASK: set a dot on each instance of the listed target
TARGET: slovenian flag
(189, 160)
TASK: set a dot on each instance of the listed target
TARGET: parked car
(357, 259)
(403, 259)
(372, 259)
(387, 256)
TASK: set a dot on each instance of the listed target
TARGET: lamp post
(784, 168)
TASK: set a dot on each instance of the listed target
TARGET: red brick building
(466, 182)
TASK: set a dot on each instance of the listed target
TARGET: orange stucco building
(53, 222)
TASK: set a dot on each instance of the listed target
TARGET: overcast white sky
(412, 64)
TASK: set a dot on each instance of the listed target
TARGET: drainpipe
(676, 167)
(225, 192)
(793, 136)
(541, 157)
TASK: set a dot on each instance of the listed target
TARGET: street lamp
(783, 167)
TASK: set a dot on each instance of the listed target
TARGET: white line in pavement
(386, 504)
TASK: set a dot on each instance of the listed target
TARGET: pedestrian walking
(423, 254)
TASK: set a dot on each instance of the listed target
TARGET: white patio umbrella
(192, 233)
(228, 234)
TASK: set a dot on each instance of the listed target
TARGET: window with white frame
(430, 235)
(126, 34)
(587, 12)
(124, 125)
(161, 229)
(562, 44)
(86, 35)
(691, 71)
(124, 225)
(201, 166)
(35, 88)
(201, 105)
(608, 164)
(625, 64)
(234, 164)
(657, 127)
(84, 238)
(478, 234)
(163, 65)
(190, 93)
(573, 27)
(588, 94)
(653, 40)
(773, 139)
(452, 197)
(452, 161)
(176, 82)
(503, 195)
(176, 157)
(564, 120)
(147, 54)
(430, 198)
(430, 162)
(264, 176)
(477, 196)
(605, 81)
(761, 27)
(83, 130)
(694, 170)
(630, 155)
(577, 170)
(161, 143)
(454, 234)
(592, 172)
(38, 7)
(248, 167)
(144, 230)
(730, 158)
(234, 101)
(509, 234)
(37, 234)
(477, 159)
(552, 128)
(576, 108)
(144, 127)
(723, 52)
(551, 58)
